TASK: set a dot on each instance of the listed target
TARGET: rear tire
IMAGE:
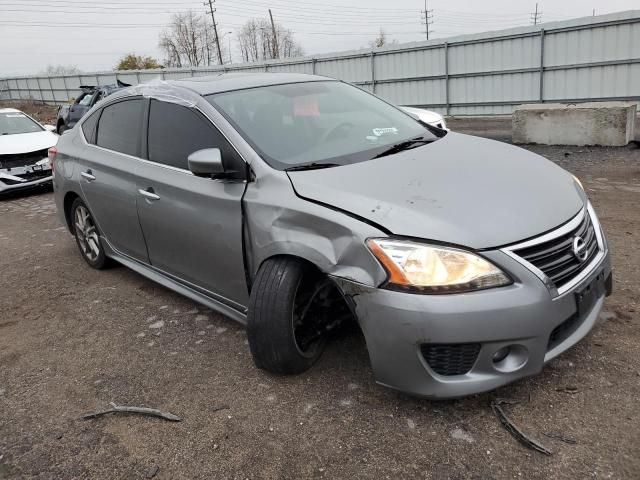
(61, 128)
(287, 316)
(88, 236)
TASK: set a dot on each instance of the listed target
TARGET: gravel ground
(73, 339)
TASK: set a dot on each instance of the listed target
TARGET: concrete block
(593, 123)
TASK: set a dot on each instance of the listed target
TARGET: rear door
(107, 176)
(192, 225)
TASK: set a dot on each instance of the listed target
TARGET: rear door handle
(88, 176)
(148, 194)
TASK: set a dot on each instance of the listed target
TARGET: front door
(192, 225)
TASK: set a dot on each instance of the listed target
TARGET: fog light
(501, 354)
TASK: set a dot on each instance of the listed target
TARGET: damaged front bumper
(447, 346)
(25, 177)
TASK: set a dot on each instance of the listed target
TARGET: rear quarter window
(120, 126)
(89, 127)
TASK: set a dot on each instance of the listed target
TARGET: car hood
(460, 189)
(26, 142)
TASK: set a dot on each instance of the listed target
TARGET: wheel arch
(69, 198)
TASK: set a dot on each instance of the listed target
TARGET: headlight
(435, 269)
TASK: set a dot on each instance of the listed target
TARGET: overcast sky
(93, 34)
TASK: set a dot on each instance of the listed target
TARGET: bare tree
(188, 41)
(256, 41)
(381, 40)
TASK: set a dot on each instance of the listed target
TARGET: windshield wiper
(406, 145)
(311, 166)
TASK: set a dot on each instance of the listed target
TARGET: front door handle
(88, 176)
(148, 194)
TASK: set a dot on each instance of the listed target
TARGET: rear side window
(119, 126)
(175, 132)
(89, 127)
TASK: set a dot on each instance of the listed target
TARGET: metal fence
(585, 59)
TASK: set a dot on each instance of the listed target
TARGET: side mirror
(206, 162)
(49, 128)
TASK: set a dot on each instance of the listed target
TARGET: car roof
(226, 82)
(9, 110)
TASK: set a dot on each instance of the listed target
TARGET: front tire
(87, 236)
(288, 315)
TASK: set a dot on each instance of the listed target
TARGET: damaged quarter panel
(280, 223)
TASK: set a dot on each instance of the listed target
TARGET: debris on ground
(515, 431)
(569, 389)
(562, 438)
(152, 471)
(461, 434)
(138, 410)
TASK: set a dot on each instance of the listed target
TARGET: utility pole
(536, 16)
(276, 54)
(215, 29)
(428, 18)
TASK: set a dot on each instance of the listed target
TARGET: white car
(427, 116)
(24, 145)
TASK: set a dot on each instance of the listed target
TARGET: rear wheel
(289, 315)
(87, 235)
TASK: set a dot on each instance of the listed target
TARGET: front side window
(326, 122)
(12, 123)
(119, 126)
(175, 132)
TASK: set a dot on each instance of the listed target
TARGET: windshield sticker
(15, 115)
(306, 106)
(378, 132)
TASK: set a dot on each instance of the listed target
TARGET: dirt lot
(73, 339)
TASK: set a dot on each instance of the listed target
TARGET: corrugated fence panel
(416, 63)
(416, 92)
(356, 69)
(306, 67)
(519, 87)
(584, 59)
(614, 42)
(509, 54)
(593, 82)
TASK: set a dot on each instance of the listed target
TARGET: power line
(428, 18)
(536, 16)
(215, 29)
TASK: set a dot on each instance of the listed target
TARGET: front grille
(29, 177)
(450, 359)
(22, 159)
(555, 258)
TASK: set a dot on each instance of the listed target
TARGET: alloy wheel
(87, 234)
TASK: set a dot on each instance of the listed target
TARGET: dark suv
(69, 115)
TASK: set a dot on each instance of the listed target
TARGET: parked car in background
(69, 115)
(24, 143)
(293, 202)
(427, 116)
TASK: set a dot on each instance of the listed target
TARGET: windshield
(326, 122)
(17, 122)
